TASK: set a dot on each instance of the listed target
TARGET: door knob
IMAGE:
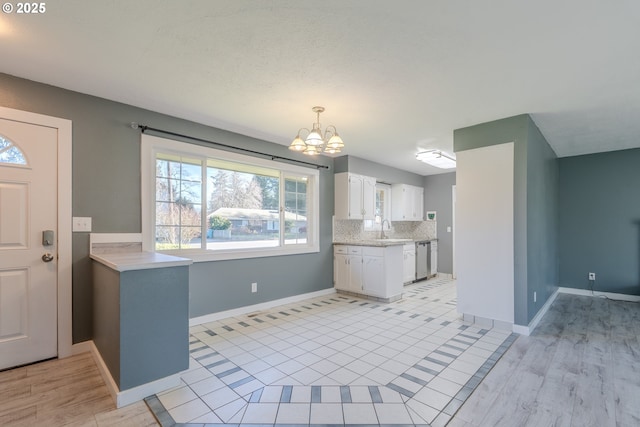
(47, 257)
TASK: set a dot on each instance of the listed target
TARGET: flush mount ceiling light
(437, 158)
(316, 142)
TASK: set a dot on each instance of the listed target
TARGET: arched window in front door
(10, 153)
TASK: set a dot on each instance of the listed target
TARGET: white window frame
(151, 145)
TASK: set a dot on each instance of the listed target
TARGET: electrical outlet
(535, 296)
(592, 276)
(254, 287)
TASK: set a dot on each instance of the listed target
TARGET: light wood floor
(581, 367)
(66, 392)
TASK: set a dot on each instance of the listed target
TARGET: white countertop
(376, 242)
(128, 261)
(381, 242)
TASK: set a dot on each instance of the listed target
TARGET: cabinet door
(368, 198)
(410, 203)
(373, 275)
(341, 273)
(409, 267)
(355, 197)
(402, 203)
(418, 203)
(355, 273)
(407, 203)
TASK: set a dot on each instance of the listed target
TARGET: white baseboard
(611, 295)
(257, 307)
(527, 330)
(486, 322)
(81, 347)
(135, 394)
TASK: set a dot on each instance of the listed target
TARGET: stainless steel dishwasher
(425, 259)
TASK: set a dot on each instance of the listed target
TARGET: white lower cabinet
(369, 270)
(409, 263)
(347, 268)
(373, 282)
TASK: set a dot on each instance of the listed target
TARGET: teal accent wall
(106, 187)
(438, 197)
(600, 221)
(535, 206)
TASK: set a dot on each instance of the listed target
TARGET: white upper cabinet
(407, 203)
(355, 196)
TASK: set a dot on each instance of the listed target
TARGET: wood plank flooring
(580, 367)
(65, 392)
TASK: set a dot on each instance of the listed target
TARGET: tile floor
(336, 360)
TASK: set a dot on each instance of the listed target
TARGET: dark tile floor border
(165, 420)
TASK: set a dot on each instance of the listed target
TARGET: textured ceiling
(395, 77)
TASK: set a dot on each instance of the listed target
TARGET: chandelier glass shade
(316, 142)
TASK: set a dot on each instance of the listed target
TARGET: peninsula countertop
(128, 261)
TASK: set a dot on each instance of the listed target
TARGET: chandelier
(316, 142)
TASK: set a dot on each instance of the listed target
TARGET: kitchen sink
(393, 240)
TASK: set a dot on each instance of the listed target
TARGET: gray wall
(542, 221)
(438, 197)
(535, 206)
(222, 285)
(154, 320)
(106, 317)
(138, 315)
(106, 187)
(381, 172)
(600, 221)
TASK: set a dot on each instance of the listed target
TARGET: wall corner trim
(527, 330)
(257, 307)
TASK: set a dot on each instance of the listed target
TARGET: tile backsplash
(349, 230)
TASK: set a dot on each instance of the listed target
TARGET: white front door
(28, 264)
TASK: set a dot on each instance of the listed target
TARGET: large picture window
(212, 204)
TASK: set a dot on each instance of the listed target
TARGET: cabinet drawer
(347, 250)
(355, 250)
(340, 249)
(372, 251)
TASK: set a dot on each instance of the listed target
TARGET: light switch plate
(82, 224)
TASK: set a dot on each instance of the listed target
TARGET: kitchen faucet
(382, 236)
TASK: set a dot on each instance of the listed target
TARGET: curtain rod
(144, 128)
